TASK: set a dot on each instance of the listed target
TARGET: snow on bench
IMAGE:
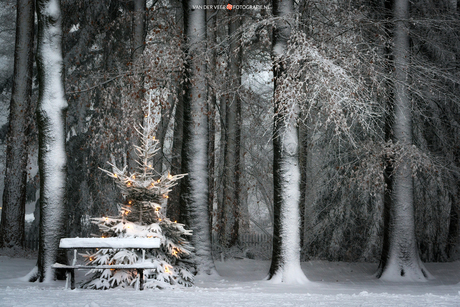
(107, 243)
(111, 243)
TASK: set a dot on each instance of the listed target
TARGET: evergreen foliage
(141, 216)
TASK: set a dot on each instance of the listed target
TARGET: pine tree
(141, 216)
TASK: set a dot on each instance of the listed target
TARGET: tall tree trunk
(386, 7)
(173, 208)
(138, 28)
(138, 41)
(195, 143)
(220, 169)
(231, 180)
(14, 194)
(303, 150)
(285, 266)
(403, 261)
(51, 135)
(212, 35)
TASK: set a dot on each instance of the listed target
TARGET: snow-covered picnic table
(106, 243)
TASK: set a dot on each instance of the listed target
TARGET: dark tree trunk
(303, 152)
(139, 28)
(212, 35)
(231, 181)
(386, 7)
(14, 194)
(173, 208)
(454, 223)
(138, 41)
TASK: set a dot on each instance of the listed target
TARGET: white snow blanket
(241, 284)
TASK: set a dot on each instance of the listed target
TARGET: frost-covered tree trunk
(195, 141)
(51, 109)
(14, 194)
(285, 266)
(403, 261)
(231, 182)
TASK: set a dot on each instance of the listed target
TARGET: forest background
(339, 82)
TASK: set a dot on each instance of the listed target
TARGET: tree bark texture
(138, 41)
(212, 101)
(173, 208)
(285, 266)
(231, 182)
(139, 28)
(14, 194)
(51, 122)
(386, 7)
(403, 261)
(195, 142)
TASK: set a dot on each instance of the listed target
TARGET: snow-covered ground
(241, 284)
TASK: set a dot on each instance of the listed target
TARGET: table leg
(67, 279)
(72, 279)
(141, 278)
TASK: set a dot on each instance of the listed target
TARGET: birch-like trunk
(14, 193)
(51, 122)
(403, 261)
(195, 142)
(285, 266)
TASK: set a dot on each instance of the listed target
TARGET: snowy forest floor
(241, 284)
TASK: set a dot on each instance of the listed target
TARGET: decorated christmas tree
(141, 216)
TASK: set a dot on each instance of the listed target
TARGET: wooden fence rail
(31, 241)
(257, 246)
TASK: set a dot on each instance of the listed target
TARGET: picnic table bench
(106, 243)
